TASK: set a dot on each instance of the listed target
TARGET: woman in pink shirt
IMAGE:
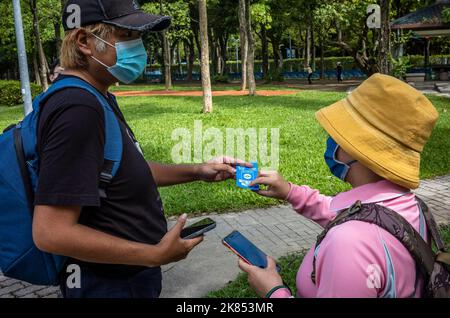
(376, 137)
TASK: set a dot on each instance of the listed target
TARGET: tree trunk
(275, 53)
(36, 67)
(427, 55)
(265, 52)
(322, 66)
(219, 61)
(223, 46)
(215, 53)
(384, 37)
(313, 49)
(166, 55)
(244, 42)
(58, 39)
(167, 62)
(251, 52)
(365, 63)
(307, 61)
(218, 57)
(191, 58)
(43, 68)
(180, 67)
(197, 42)
(193, 11)
(57, 25)
(339, 36)
(204, 63)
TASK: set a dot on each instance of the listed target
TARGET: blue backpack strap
(113, 135)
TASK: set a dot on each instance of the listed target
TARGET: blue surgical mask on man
(338, 168)
(131, 60)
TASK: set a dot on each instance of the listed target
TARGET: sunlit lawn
(302, 141)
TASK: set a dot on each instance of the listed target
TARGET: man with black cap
(119, 241)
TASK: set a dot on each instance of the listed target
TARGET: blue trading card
(245, 176)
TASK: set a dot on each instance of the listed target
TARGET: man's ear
(84, 42)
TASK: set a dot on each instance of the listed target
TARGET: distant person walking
(310, 74)
(339, 70)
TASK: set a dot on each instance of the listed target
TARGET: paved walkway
(277, 231)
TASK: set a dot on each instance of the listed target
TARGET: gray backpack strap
(393, 223)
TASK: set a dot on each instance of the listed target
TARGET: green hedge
(288, 65)
(297, 64)
(11, 93)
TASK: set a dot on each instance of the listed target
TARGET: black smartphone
(246, 250)
(198, 229)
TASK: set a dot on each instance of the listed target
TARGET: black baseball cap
(125, 14)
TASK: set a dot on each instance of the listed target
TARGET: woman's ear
(84, 42)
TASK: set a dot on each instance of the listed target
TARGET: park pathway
(278, 231)
(200, 93)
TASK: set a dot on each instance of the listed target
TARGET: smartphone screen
(198, 228)
(245, 249)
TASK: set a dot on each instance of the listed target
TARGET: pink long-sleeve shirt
(357, 259)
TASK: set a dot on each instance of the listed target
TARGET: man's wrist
(153, 255)
(196, 172)
(191, 172)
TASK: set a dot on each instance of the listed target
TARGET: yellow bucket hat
(384, 124)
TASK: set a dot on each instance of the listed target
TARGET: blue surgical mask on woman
(338, 168)
(131, 60)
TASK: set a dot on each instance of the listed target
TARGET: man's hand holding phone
(173, 247)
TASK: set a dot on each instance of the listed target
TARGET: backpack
(435, 267)
(19, 166)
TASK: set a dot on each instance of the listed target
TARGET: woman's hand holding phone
(262, 280)
(277, 187)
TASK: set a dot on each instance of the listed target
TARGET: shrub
(400, 66)
(11, 92)
(276, 76)
(216, 79)
(446, 15)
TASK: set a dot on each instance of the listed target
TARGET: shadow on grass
(136, 107)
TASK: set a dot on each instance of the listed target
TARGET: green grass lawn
(302, 141)
(289, 266)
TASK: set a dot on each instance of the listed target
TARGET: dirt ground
(293, 87)
(200, 93)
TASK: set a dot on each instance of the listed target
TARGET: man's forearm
(89, 245)
(168, 175)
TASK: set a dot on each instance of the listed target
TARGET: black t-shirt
(71, 139)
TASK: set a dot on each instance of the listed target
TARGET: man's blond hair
(71, 56)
